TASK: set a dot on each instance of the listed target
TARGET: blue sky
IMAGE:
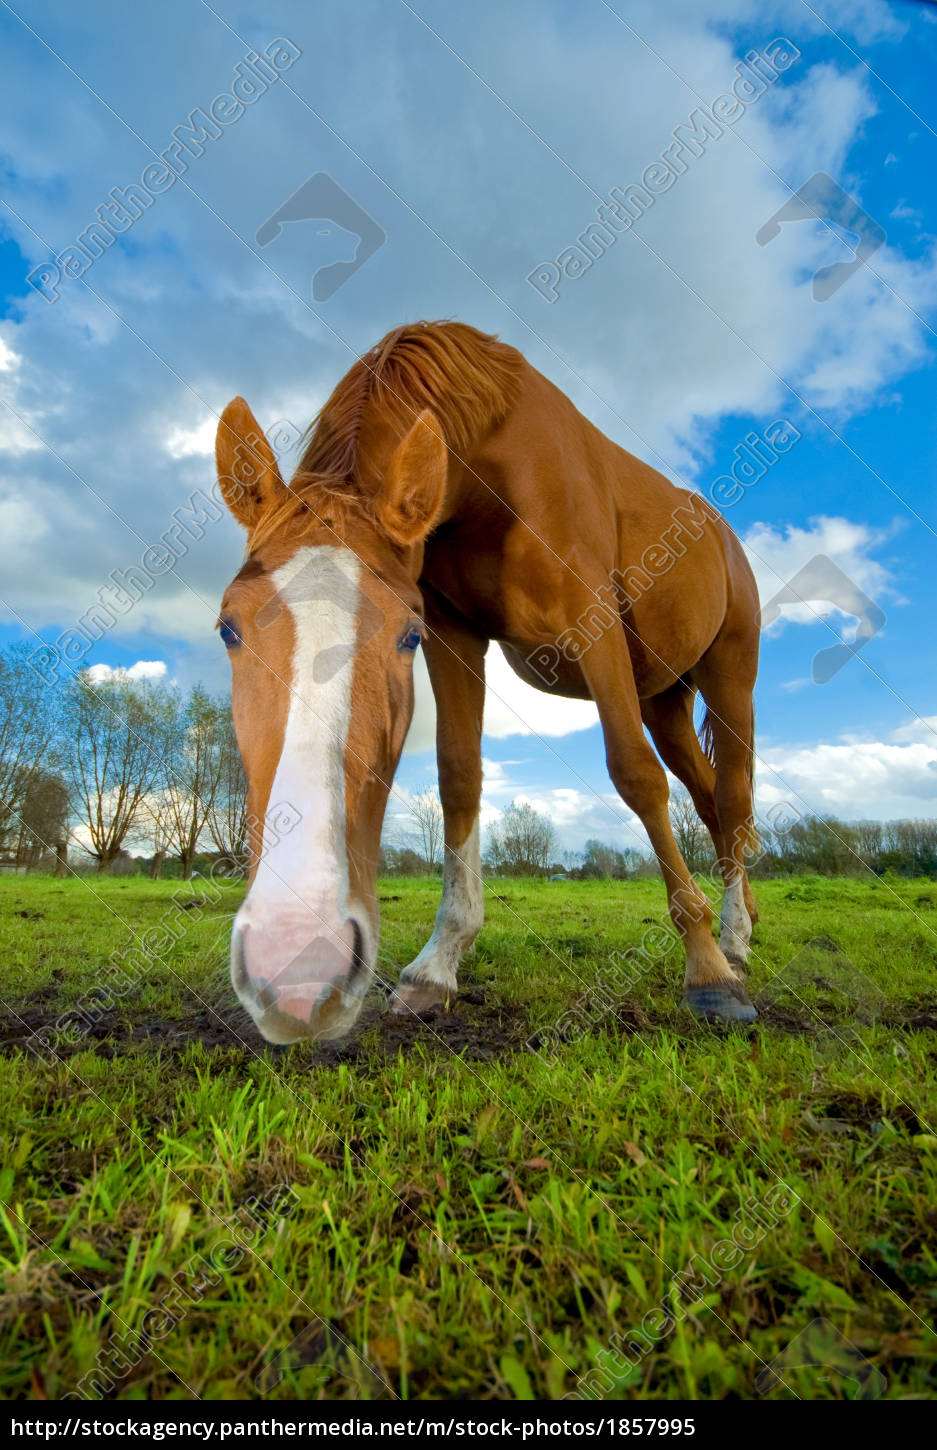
(481, 139)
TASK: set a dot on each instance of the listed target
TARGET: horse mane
(468, 378)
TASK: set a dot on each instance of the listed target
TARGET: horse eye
(229, 635)
(410, 642)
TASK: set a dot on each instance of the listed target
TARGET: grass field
(433, 1209)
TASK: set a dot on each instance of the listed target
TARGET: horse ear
(248, 475)
(413, 489)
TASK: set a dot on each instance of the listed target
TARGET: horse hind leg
(730, 726)
(669, 718)
(712, 985)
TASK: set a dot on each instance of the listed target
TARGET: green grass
(468, 1217)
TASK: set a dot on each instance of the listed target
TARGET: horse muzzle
(303, 977)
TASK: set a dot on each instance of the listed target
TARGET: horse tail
(752, 841)
(706, 737)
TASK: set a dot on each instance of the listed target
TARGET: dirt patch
(476, 1026)
(47, 1033)
(918, 1022)
(791, 1021)
(784, 1019)
(479, 1025)
(794, 1022)
(628, 1019)
(850, 1113)
(918, 1016)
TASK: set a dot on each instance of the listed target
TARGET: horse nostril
(357, 952)
(295, 988)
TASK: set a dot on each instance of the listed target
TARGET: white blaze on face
(294, 924)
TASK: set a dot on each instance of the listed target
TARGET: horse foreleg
(456, 662)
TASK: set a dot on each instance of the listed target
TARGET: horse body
(539, 519)
(451, 488)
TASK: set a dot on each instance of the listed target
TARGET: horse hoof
(720, 1002)
(413, 998)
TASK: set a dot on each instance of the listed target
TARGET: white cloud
(224, 320)
(923, 730)
(511, 707)
(142, 670)
(193, 441)
(778, 553)
(855, 780)
(15, 437)
(9, 360)
(577, 815)
(515, 708)
(21, 523)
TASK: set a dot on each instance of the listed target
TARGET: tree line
(523, 843)
(93, 770)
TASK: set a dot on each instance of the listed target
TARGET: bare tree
(43, 821)
(521, 843)
(869, 838)
(152, 829)
(28, 721)
(691, 835)
(193, 777)
(426, 809)
(227, 812)
(604, 861)
(120, 734)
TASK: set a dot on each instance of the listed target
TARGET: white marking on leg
(735, 924)
(458, 921)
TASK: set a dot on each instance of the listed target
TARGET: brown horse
(450, 495)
